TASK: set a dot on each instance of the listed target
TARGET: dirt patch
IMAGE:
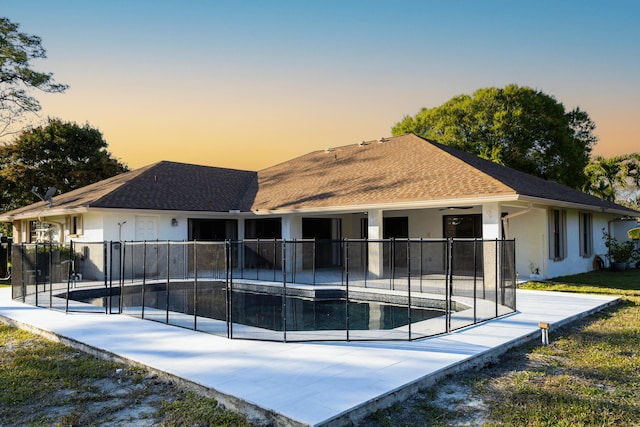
(40, 387)
(458, 400)
(127, 397)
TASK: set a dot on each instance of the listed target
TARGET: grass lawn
(589, 375)
(48, 383)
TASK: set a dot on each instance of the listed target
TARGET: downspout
(506, 218)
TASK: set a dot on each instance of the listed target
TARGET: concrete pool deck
(302, 384)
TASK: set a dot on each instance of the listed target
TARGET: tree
(514, 126)
(60, 154)
(616, 179)
(17, 78)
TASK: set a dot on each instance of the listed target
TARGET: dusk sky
(248, 84)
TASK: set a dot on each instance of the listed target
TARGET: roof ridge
(472, 158)
(131, 175)
(448, 150)
(198, 166)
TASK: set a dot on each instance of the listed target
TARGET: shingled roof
(399, 170)
(159, 186)
(402, 169)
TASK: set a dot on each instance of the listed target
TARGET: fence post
(347, 319)
(258, 256)
(106, 280)
(168, 281)
(144, 274)
(449, 283)
(313, 262)
(497, 274)
(284, 289)
(229, 288)
(123, 262)
(195, 281)
(70, 271)
(513, 273)
(392, 263)
(23, 273)
(294, 267)
(421, 262)
(275, 257)
(365, 254)
(50, 267)
(475, 279)
(409, 285)
(35, 275)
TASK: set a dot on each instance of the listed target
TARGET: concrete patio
(302, 384)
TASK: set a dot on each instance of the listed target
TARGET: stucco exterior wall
(530, 233)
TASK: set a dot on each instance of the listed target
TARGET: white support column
(491, 221)
(491, 230)
(375, 232)
(291, 227)
(291, 230)
(240, 228)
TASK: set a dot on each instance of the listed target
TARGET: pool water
(263, 310)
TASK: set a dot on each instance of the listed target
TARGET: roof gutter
(404, 205)
(623, 212)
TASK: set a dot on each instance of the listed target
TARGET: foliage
(60, 154)
(17, 78)
(616, 179)
(618, 251)
(514, 126)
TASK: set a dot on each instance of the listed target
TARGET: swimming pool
(263, 307)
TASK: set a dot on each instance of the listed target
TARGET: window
(586, 235)
(395, 227)
(214, 230)
(557, 234)
(264, 228)
(32, 227)
(75, 225)
(462, 226)
(40, 232)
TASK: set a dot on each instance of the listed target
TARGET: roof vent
(363, 143)
(329, 150)
(383, 139)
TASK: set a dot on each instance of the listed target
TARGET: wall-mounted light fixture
(174, 222)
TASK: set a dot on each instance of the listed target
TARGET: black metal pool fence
(278, 290)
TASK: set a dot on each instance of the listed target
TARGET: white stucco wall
(532, 243)
(100, 226)
(529, 231)
(92, 228)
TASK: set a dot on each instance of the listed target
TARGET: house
(400, 187)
